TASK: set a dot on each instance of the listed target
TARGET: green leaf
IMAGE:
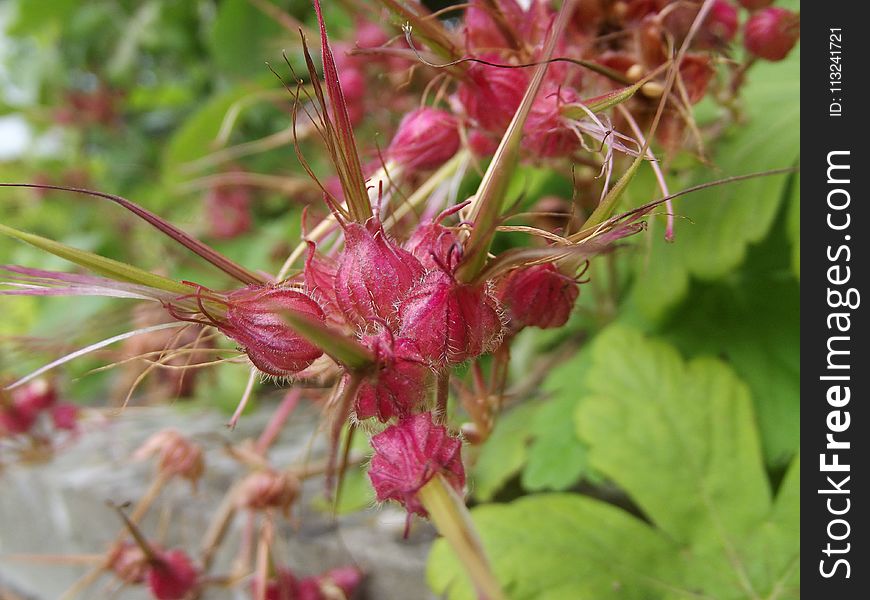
(98, 264)
(504, 453)
(757, 329)
(556, 458)
(724, 221)
(195, 138)
(680, 438)
(244, 38)
(653, 416)
(558, 546)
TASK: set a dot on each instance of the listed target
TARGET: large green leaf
(680, 438)
(559, 546)
(724, 221)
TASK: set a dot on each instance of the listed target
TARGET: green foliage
(680, 438)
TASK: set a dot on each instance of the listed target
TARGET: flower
(409, 454)
(426, 139)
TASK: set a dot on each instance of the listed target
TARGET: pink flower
(538, 296)
(373, 275)
(771, 33)
(408, 455)
(426, 139)
(173, 576)
(253, 319)
(65, 416)
(398, 384)
(450, 321)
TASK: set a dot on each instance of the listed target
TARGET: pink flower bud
(282, 586)
(482, 143)
(254, 320)
(309, 589)
(319, 274)
(546, 133)
(538, 296)
(176, 455)
(16, 418)
(426, 139)
(771, 33)
(373, 275)
(408, 455)
(35, 396)
(262, 490)
(65, 416)
(173, 576)
(481, 30)
(228, 210)
(450, 321)
(754, 4)
(722, 21)
(129, 563)
(398, 383)
(492, 95)
(344, 579)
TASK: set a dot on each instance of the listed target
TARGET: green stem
(451, 518)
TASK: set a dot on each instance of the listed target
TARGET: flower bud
(373, 275)
(398, 383)
(173, 576)
(177, 456)
(408, 455)
(696, 73)
(129, 563)
(35, 396)
(450, 321)
(228, 211)
(492, 95)
(481, 30)
(431, 243)
(16, 418)
(319, 274)
(342, 579)
(537, 296)
(281, 586)
(482, 143)
(546, 134)
(262, 490)
(722, 21)
(254, 320)
(426, 139)
(771, 33)
(65, 416)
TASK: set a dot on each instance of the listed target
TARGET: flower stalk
(453, 521)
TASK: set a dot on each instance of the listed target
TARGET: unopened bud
(426, 139)
(771, 33)
(408, 455)
(263, 490)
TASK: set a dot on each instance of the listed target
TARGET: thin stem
(450, 516)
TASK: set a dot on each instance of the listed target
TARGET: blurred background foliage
(137, 97)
